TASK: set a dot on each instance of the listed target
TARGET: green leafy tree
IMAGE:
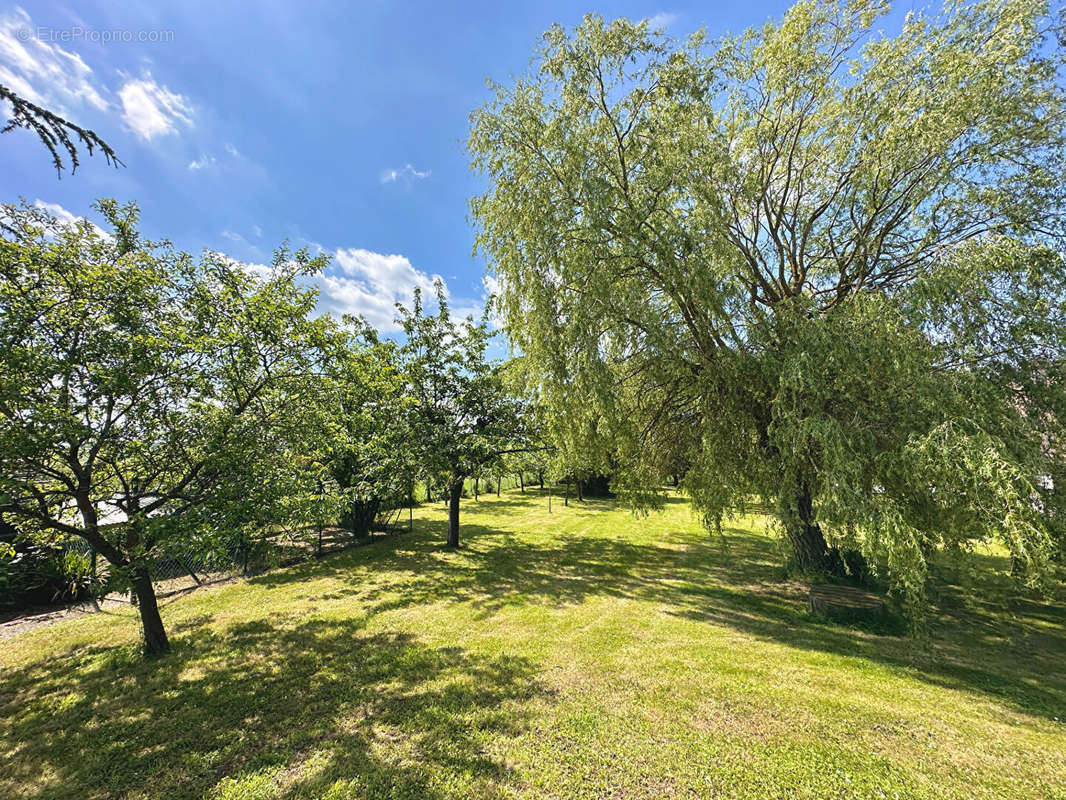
(460, 419)
(146, 398)
(812, 263)
(368, 456)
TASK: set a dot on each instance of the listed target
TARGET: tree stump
(845, 602)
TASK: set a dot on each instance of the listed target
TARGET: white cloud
(389, 272)
(407, 173)
(664, 19)
(42, 72)
(372, 284)
(203, 162)
(57, 211)
(261, 271)
(207, 160)
(66, 218)
(257, 231)
(492, 285)
(152, 110)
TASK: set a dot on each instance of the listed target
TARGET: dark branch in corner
(56, 133)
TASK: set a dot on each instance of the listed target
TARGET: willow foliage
(816, 264)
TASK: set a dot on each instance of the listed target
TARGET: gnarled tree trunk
(808, 544)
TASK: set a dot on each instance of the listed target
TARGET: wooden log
(844, 601)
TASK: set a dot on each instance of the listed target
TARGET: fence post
(188, 569)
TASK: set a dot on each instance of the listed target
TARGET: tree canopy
(366, 454)
(813, 263)
(145, 396)
(461, 417)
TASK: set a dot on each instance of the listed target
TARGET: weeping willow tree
(814, 263)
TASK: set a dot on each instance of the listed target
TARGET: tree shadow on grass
(997, 643)
(283, 707)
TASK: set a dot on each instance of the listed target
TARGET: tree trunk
(477, 481)
(453, 513)
(499, 483)
(580, 497)
(522, 482)
(540, 475)
(566, 497)
(359, 516)
(155, 637)
(808, 544)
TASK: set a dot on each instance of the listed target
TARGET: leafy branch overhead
(55, 132)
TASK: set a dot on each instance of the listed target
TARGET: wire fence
(173, 573)
(178, 572)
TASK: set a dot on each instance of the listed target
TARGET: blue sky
(335, 125)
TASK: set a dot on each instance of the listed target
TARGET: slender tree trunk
(540, 475)
(453, 513)
(566, 497)
(522, 482)
(580, 496)
(155, 637)
(808, 544)
(499, 483)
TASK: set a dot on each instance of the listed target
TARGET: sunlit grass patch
(582, 653)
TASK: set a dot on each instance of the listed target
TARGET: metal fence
(177, 573)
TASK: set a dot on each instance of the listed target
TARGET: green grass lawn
(583, 654)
